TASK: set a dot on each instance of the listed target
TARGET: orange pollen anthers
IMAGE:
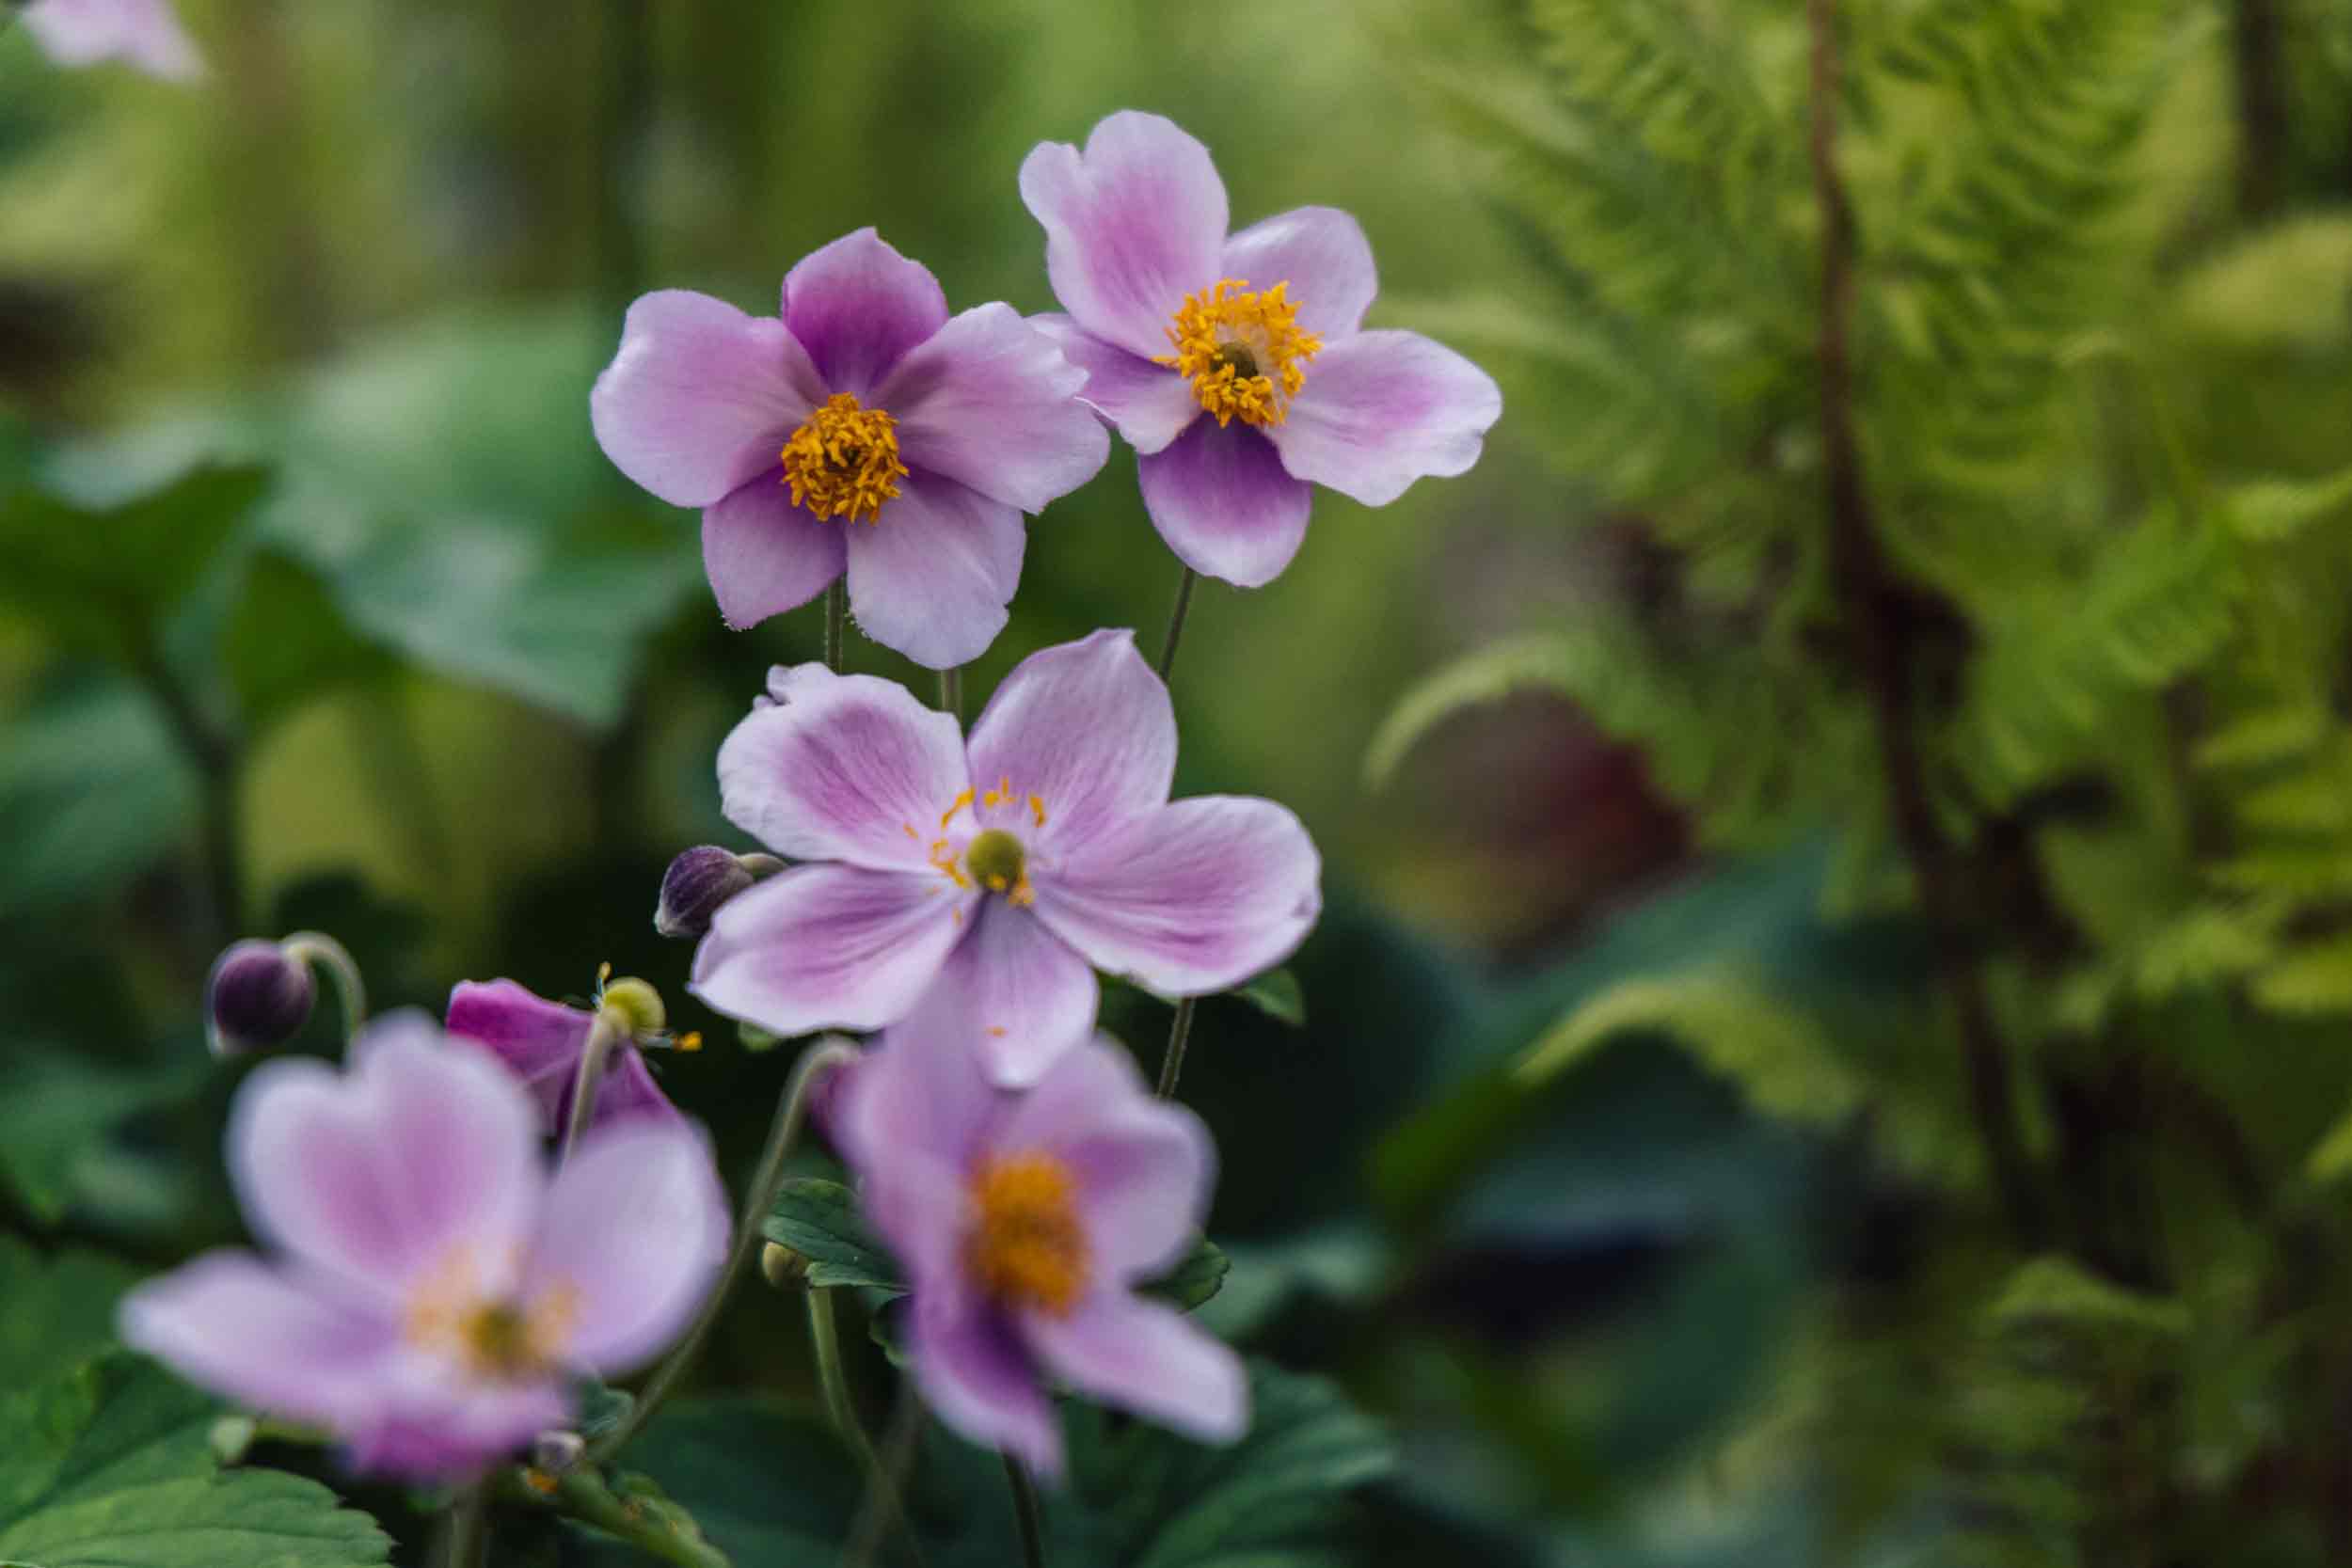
(1241, 351)
(497, 1340)
(994, 861)
(843, 462)
(1028, 1248)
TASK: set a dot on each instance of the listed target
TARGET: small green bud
(781, 1267)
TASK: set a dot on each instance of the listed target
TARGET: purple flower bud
(258, 996)
(697, 883)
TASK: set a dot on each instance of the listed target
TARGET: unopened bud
(781, 1267)
(701, 880)
(555, 1453)
(231, 1438)
(259, 996)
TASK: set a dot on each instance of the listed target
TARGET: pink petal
(857, 305)
(765, 555)
(989, 403)
(383, 1172)
(1382, 409)
(1132, 226)
(700, 397)
(848, 767)
(633, 1234)
(1145, 1167)
(1222, 500)
(538, 1040)
(144, 34)
(1194, 898)
(1148, 1358)
(931, 577)
(1018, 995)
(1087, 728)
(236, 1326)
(976, 1378)
(1150, 403)
(829, 947)
(1320, 252)
(629, 1093)
(434, 1426)
(911, 1117)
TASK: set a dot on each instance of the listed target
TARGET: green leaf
(2313, 979)
(56, 1106)
(2046, 1292)
(764, 1481)
(1543, 664)
(60, 1308)
(98, 581)
(110, 1466)
(2269, 511)
(287, 641)
(1277, 993)
(1193, 1281)
(820, 1221)
(92, 791)
(2333, 1156)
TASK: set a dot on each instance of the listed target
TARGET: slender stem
(1179, 1032)
(322, 951)
(951, 692)
(1025, 1514)
(1881, 625)
(608, 1031)
(836, 623)
(881, 1503)
(767, 1181)
(581, 1494)
(1176, 621)
(2265, 132)
(824, 1338)
(468, 1543)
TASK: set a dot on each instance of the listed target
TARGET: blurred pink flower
(143, 34)
(540, 1042)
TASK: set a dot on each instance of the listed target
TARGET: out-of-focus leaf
(92, 790)
(56, 1105)
(1276, 994)
(110, 1466)
(2265, 511)
(765, 1481)
(98, 581)
(1541, 663)
(287, 641)
(1193, 1281)
(820, 1221)
(60, 1309)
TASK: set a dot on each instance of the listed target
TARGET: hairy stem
(767, 1181)
(952, 693)
(1179, 1033)
(1025, 1514)
(581, 1494)
(1176, 621)
(322, 951)
(1881, 626)
(836, 621)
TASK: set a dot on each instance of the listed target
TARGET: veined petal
(540, 1041)
(268, 1339)
(1150, 403)
(850, 767)
(631, 1240)
(1222, 500)
(1087, 728)
(700, 397)
(976, 1377)
(1019, 994)
(933, 576)
(857, 305)
(830, 947)
(1146, 1357)
(1145, 1167)
(1132, 225)
(1320, 252)
(1195, 897)
(911, 1116)
(1382, 409)
(765, 555)
(991, 403)
(629, 1092)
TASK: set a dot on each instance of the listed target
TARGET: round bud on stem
(701, 880)
(259, 996)
(555, 1453)
(781, 1267)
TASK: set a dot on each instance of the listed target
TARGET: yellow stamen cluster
(995, 861)
(496, 1339)
(1027, 1248)
(844, 461)
(1241, 351)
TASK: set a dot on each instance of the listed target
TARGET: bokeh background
(356, 630)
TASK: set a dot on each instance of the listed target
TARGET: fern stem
(1880, 620)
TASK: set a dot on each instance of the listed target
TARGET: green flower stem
(824, 1338)
(1025, 1514)
(1176, 621)
(321, 951)
(467, 1541)
(791, 1111)
(836, 621)
(581, 1494)
(610, 1029)
(952, 693)
(1179, 1032)
(880, 1505)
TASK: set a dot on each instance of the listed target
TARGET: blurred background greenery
(1627, 1167)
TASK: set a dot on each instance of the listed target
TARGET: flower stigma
(1241, 351)
(843, 462)
(496, 1339)
(1028, 1248)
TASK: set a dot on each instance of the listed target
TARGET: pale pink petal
(849, 767)
(765, 555)
(1020, 995)
(933, 576)
(701, 396)
(629, 1093)
(1222, 500)
(989, 403)
(632, 1237)
(1147, 1358)
(857, 305)
(1149, 402)
(264, 1338)
(911, 1116)
(1087, 728)
(1320, 252)
(1193, 898)
(976, 1378)
(829, 947)
(1382, 409)
(1145, 1167)
(144, 34)
(434, 1426)
(1132, 225)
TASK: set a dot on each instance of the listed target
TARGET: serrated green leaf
(821, 1221)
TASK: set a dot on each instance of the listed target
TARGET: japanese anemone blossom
(997, 870)
(866, 430)
(542, 1042)
(1173, 320)
(433, 1292)
(144, 34)
(1024, 1224)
